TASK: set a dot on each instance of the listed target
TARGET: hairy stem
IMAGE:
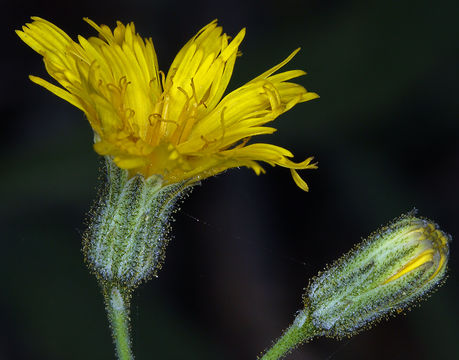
(299, 332)
(117, 305)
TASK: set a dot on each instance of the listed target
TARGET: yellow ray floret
(175, 125)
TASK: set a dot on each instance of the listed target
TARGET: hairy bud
(392, 268)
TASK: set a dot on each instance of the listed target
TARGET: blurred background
(385, 133)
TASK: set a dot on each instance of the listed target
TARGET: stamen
(129, 113)
(193, 90)
(112, 87)
(242, 143)
(206, 142)
(155, 118)
(123, 82)
(153, 132)
(184, 118)
(222, 121)
(163, 78)
(236, 145)
(155, 121)
(169, 121)
(184, 93)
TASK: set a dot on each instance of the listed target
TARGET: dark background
(384, 131)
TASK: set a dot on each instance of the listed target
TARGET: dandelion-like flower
(159, 134)
(177, 125)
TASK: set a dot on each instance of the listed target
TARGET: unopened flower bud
(383, 275)
(127, 234)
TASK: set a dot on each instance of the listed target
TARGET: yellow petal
(72, 99)
(299, 181)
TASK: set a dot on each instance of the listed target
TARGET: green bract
(126, 239)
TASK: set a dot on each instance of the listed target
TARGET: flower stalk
(117, 305)
(302, 330)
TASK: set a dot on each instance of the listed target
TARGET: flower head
(175, 125)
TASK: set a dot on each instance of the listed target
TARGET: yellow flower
(177, 126)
